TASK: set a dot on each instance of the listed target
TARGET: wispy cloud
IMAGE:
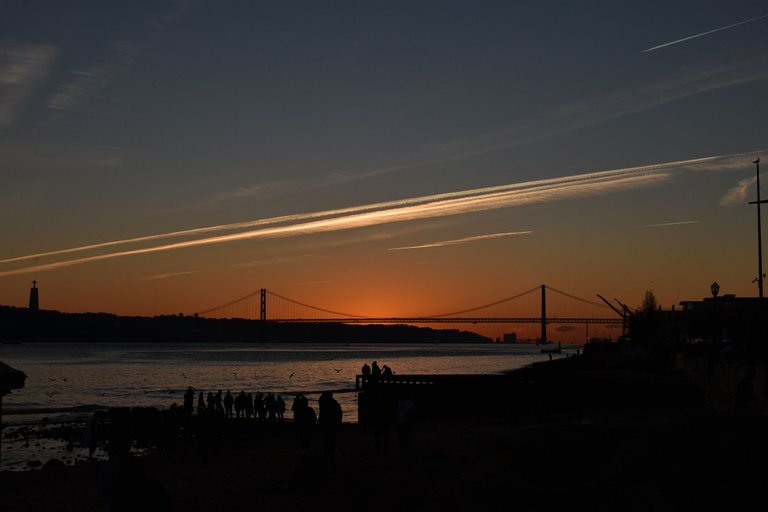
(439, 205)
(166, 276)
(23, 68)
(462, 240)
(738, 194)
(694, 36)
(84, 84)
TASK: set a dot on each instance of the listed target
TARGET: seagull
(337, 370)
(50, 395)
(291, 375)
(184, 375)
(235, 374)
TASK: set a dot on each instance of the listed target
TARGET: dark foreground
(685, 455)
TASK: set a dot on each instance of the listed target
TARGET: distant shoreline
(20, 325)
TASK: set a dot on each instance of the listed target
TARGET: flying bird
(337, 370)
(291, 375)
(50, 395)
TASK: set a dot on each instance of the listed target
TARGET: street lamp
(715, 289)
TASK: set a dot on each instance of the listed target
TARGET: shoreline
(661, 446)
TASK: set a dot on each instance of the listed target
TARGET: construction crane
(624, 314)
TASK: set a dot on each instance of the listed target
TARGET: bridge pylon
(263, 305)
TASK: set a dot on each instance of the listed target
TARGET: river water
(69, 381)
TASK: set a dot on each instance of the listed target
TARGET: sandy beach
(682, 455)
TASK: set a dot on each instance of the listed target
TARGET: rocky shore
(613, 431)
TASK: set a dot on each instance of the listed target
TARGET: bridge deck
(449, 320)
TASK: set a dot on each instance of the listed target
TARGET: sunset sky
(381, 158)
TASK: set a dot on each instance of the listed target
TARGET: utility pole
(759, 232)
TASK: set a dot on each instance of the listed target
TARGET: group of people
(374, 371)
(269, 407)
(328, 421)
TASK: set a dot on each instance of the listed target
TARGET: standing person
(375, 370)
(304, 418)
(280, 408)
(219, 403)
(366, 370)
(329, 421)
(200, 403)
(92, 433)
(259, 409)
(228, 401)
(271, 405)
(189, 401)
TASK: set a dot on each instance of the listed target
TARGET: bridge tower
(263, 306)
(543, 314)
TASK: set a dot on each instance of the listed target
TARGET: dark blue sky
(126, 119)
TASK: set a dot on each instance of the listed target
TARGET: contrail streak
(705, 33)
(665, 224)
(438, 205)
(461, 240)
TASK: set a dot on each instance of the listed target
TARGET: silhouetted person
(280, 408)
(240, 404)
(200, 403)
(386, 371)
(366, 371)
(92, 433)
(271, 404)
(228, 401)
(219, 403)
(258, 407)
(329, 421)
(211, 401)
(375, 370)
(248, 405)
(305, 419)
(189, 401)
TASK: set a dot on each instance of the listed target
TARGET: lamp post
(759, 231)
(715, 289)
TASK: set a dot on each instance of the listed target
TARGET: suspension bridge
(540, 305)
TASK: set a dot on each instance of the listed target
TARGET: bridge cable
(348, 315)
(442, 315)
(603, 306)
(230, 303)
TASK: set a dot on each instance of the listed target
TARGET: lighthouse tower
(34, 302)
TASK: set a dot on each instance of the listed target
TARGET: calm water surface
(66, 381)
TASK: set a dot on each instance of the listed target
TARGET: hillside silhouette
(20, 324)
